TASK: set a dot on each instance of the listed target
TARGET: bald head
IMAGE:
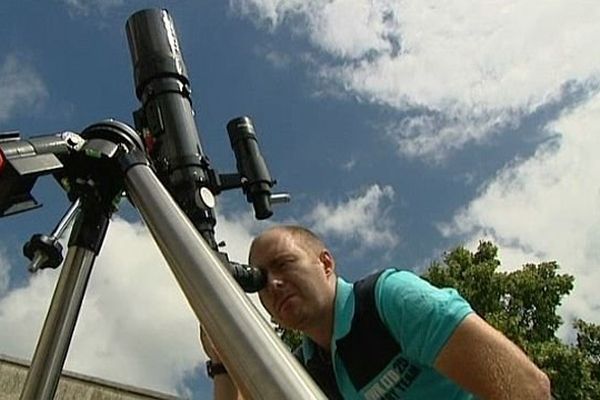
(300, 277)
(302, 236)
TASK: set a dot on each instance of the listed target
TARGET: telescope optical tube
(166, 118)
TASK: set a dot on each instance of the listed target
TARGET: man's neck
(321, 330)
(321, 337)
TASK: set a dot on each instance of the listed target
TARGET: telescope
(160, 166)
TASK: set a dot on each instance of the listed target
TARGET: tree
(523, 305)
(291, 337)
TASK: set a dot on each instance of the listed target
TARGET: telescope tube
(166, 118)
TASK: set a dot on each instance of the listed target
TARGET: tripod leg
(53, 343)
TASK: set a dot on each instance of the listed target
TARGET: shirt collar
(342, 317)
(344, 310)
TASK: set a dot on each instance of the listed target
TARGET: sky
(400, 128)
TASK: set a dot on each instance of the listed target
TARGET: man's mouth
(284, 301)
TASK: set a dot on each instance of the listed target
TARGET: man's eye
(284, 263)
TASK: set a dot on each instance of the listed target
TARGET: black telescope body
(171, 138)
(166, 118)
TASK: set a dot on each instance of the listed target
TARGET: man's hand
(483, 361)
(224, 387)
(208, 346)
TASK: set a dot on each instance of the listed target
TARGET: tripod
(173, 192)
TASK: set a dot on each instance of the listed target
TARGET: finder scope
(257, 182)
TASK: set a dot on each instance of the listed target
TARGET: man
(390, 336)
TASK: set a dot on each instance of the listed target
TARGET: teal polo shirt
(421, 318)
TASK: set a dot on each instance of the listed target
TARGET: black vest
(366, 350)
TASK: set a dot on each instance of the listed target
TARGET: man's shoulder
(372, 288)
(392, 274)
(397, 287)
(388, 279)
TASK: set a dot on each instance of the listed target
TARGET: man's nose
(274, 281)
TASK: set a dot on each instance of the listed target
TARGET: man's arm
(483, 361)
(224, 388)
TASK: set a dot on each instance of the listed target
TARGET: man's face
(299, 287)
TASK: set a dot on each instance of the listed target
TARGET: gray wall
(72, 386)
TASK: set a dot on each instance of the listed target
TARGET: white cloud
(360, 219)
(269, 11)
(21, 87)
(3, 279)
(464, 69)
(21, 314)
(4, 268)
(277, 59)
(135, 325)
(548, 208)
(86, 7)
(349, 165)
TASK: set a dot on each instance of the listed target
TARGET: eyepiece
(249, 278)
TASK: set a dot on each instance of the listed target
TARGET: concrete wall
(71, 386)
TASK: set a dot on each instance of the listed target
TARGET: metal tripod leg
(53, 343)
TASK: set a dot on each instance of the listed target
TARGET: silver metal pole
(53, 344)
(40, 257)
(255, 357)
(66, 219)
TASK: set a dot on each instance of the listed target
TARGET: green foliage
(291, 337)
(523, 305)
(588, 341)
(568, 368)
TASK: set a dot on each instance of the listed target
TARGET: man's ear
(328, 262)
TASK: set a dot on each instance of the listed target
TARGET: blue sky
(401, 129)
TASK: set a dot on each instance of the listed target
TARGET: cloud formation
(21, 86)
(457, 72)
(135, 325)
(548, 208)
(4, 268)
(360, 219)
(87, 7)
(461, 72)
